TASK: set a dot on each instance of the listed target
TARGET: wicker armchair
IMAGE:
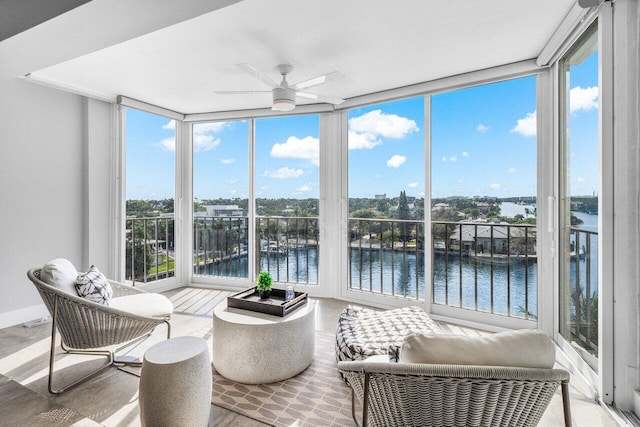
(87, 327)
(417, 394)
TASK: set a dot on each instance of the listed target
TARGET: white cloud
(580, 179)
(460, 181)
(377, 176)
(465, 154)
(526, 126)
(303, 189)
(387, 125)
(583, 99)
(421, 194)
(203, 142)
(232, 181)
(512, 170)
(358, 141)
(482, 128)
(453, 159)
(496, 186)
(233, 191)
(396, 160)
(168, 144)
(203, 138)
(579, 100)
(227, 161)
(284, 173)
(412, 184)
(171, 125)
(444, 159)
(296, 148)
(210, 127)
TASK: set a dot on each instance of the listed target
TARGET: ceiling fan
(284, 95)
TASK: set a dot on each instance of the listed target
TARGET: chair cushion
(147, 304)
(94, 286)
(60, 273)
(523, 348)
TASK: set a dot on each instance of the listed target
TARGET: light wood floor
(110, 399)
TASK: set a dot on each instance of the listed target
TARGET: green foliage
(148, 208)
(265, 281)
(575, 220)
(585, 204)
(363, 213)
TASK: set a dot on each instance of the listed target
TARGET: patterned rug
(316, 397)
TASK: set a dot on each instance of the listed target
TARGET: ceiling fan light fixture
(284, 99)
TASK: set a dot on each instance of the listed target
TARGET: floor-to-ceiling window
(579, 191)
(150, 193)
(386, 235)
(257, 176)
(221, 199)
(287, 170)
(483, 198)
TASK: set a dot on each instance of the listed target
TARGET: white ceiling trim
(576, 20)
(259, 112)
(149, 108)
(473, 78)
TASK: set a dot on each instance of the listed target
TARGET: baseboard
(23, 315)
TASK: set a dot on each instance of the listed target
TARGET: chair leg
(110, 355)
(566, 406)
(168, 329)
(353, 408)
(365, 400)
(52, 354)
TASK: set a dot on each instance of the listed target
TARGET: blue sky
(483, 144)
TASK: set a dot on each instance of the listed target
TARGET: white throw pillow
(524, 348)
(147, 304)
(93, 286)
(61, 274)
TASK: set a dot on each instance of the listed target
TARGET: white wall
(99, 186)
(626, 158)
(41, 182)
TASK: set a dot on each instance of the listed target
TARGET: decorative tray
(276, 304)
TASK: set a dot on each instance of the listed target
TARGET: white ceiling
(375, 44)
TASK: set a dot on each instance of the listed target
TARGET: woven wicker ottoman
(363, 333)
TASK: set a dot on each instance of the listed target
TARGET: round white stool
(175, 383)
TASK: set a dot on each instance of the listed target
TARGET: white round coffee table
(257, 348)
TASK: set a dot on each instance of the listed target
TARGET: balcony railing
(221, 246)
(386, 256)
(486, 267)
(287, 247)
(149, 249)
(583, 311)
(482, 267)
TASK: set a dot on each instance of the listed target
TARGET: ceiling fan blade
(321, 98)
(336, 75)
(258, 75)
(240, 92)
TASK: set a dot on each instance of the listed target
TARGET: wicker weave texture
(450, 395)
(86, 325)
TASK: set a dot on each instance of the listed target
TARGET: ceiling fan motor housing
(284, 99)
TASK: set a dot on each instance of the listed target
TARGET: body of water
(502, 288)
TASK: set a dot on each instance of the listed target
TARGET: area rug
(316, 397)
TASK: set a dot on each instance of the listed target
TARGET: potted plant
(264, 284)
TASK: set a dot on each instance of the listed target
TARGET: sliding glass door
(150, 194)
(579, 193)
